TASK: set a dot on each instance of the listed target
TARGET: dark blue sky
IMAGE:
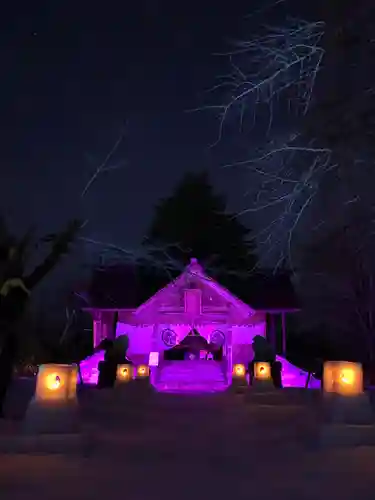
(73, 73)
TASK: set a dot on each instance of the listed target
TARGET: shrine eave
(279, 310)
(270, 310)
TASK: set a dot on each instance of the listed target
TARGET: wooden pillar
(106, 325)
(97, 329)
(283, 333)
(155, 347)
(96, 332)
(112, 325)
(155, 338)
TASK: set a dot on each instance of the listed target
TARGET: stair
(191, 376)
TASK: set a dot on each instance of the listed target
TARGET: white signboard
(153, 359)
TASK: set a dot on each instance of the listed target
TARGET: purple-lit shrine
(198, 329)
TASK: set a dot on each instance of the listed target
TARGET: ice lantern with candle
(124, 373)
(262, 371)
(349, 418)
(143, 371)
(261, 379)
(56, 383)
(239, 371)
(54, 407)
(343, 377)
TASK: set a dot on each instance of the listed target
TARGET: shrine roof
(124, 287)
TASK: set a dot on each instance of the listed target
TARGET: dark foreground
(151, 446)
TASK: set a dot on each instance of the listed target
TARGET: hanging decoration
(217, 338)
(169, 337)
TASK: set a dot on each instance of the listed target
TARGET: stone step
(193, 372)
(201, 375)
(183, 379)
(191, 376)
(174, 386)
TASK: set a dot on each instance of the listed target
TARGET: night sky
(73, 73)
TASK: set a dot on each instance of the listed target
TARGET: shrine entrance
(194, 365)
(194, 347)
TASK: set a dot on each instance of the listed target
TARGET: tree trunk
(8, 358)
(13, 301)
(59, 248)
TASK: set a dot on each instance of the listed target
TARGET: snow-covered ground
(146, 446)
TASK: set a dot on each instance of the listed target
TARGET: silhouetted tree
(194, 222)
(16, 286)
(69, 344)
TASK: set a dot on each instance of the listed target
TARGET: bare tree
(308, 118)
(272, 74)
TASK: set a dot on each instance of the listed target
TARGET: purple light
(89, 368)
(199, 379)
(295, 377)
(195, 375)
(179, 388)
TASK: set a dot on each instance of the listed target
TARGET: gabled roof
(129, 287)
(194, 272)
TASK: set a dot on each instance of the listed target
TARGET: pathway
(163, 446)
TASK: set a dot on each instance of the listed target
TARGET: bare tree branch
(276, 71)
(103, 167)
(283, 63)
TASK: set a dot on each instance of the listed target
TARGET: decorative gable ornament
(169, 337)
(217, 338)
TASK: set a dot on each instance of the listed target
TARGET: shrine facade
(191, 305)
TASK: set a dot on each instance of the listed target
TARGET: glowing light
(262, 371)
(124, 373)
(239, 370)
(343, 378)
(56, 383)
(347, 376)
(143, 371)
(53, 382)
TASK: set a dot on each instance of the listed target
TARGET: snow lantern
(57, 383)
(343, 377)
(239, 371)
(124, 373)
(262, 371)
(143, 371)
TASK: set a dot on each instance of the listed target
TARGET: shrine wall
(144, 339)
(242, 338)
(140, 337)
